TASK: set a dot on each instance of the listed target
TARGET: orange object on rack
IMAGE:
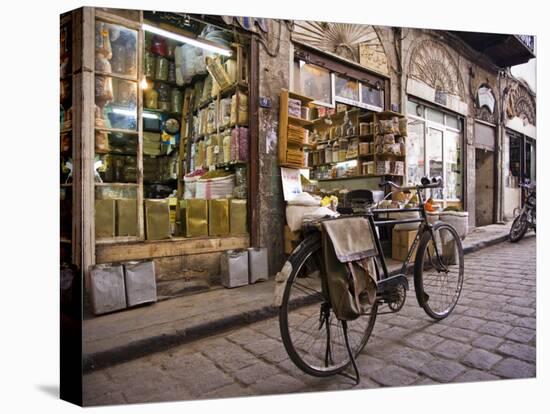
(428, 205)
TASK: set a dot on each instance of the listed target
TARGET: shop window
(415, 109)
(452, 122)
(515, 162)
(440, 133)
(435, 116)
(116, 131)
(453, 171)
(415, 151)
(346, 90)
(372, 96)
(313, 81)
(434, 156)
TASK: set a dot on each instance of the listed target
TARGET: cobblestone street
(491, 335)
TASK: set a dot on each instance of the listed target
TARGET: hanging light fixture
(201, 43)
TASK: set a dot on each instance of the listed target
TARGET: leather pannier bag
(348, 255)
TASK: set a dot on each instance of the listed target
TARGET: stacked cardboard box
(402, 241)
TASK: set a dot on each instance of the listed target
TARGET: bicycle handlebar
(436, 184)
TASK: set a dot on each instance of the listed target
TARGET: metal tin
(257, 264)
(234, 268)
(140, 282)
(107, 288)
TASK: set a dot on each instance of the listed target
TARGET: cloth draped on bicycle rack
(348, 250)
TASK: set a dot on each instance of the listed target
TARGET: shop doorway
(485, 187)
(485, 206)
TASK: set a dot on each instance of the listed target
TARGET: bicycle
(320, 344)
(527, 216)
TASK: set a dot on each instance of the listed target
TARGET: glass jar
(335, 151)
(328, 153)
(315, 158)
(172, 72)
(158, 46)
(149, 65)
(161, 68)
(176, 99)
(226, 147)
(151, 98)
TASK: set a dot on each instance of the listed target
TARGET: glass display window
(313, 81)
(346, 89)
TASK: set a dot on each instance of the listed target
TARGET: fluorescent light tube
(149, 115)
(190, 41)
(125, 112)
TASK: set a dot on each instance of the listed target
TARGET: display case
(117, 109)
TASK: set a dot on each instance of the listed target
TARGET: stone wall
(274, 73)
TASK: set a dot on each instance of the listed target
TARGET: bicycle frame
(423, 227)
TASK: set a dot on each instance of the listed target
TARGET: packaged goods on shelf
(352, 150)
(161, 68)
(389, 126)
(231, 70)
(243, 143)
(217, 72)
(207, 90)
(398, 168)
(364, 128)
(364, 148)
(101, 142)
(403, 127)
(220, 186)
(171, 72)
(383, 167)
(102, 40)
(296, 135)
(224, 116)
(294, 107)
(239, 113)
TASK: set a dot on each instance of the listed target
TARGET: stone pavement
(122, 336)
(490, 335)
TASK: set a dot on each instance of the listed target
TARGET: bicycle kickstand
(357, 377)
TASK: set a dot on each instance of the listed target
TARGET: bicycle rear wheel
(312, 335)
(439, 271)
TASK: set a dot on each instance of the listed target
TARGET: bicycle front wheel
(439, 271)
(519, 228)
(312, 335)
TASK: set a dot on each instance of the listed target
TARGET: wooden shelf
(382, 115)
(116, 184)
(353, 177)
(288, 165)
(114, 130)
(66, 185)
(284, 146)
(160, 111)
(304, 99)
(66, 130)
(65, 240)
(299, 121)
(118, 76)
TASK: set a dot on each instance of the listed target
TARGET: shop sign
(292, 185)
(440, 97)
(265, 102)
